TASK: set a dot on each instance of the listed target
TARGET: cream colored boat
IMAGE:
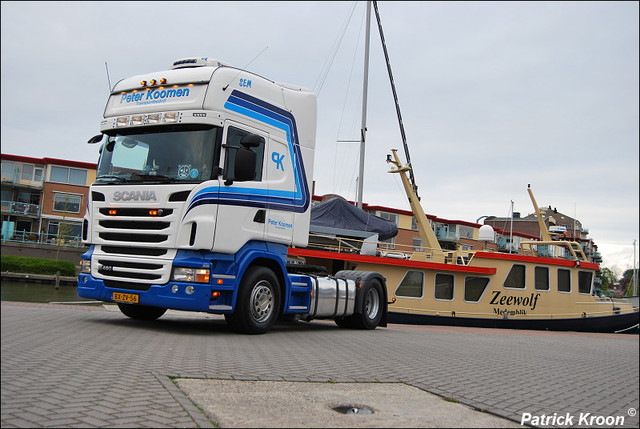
(484, 288)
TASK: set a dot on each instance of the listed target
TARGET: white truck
(202, 185)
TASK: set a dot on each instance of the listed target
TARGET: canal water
(25, 291)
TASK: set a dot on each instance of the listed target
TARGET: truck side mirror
(95, 139)
(251, 140)
(245, 160)
(245, 164)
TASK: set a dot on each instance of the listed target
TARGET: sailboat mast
(363, 129)
(395, 99)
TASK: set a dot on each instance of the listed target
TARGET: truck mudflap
(365, 281)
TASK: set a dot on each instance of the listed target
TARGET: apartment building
(44, 199)
(555, 221)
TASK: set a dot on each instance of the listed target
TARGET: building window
(417, 244)
(474, 287)
(584, 281)
(389, 216)
(414, 224)
(515, 279)
(68, 203)
(564, 280)
(72, 176)
(412, 285)
(466, 232)
(63, 230)
(444, 287)
(7, 171)
(541, 278)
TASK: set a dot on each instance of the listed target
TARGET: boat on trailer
(547, 285)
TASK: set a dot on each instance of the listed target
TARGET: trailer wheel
(369, 315)
(258, 302)
(141, 312)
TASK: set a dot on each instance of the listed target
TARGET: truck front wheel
(258, 302)
(141, 312)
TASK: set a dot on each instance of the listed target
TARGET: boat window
(584, 281)
(474, 287)
(564, 280)
(542, 278)
(515, 279)
(412, 285)
(444, 286)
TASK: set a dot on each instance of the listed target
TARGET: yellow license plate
(125, 297)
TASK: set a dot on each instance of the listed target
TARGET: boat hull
(627, 322)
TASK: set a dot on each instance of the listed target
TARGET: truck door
(241, 210)
(280, 173)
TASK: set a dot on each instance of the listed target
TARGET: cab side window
(234, 135)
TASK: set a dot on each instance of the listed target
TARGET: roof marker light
(163, 81)
(171, 117)
(143, 83)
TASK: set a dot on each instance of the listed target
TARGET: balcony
(18, 208)
(28, 180)
(442, 234)
(504, 245)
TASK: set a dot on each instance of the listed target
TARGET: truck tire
(141, 312)
(258, 302)
(370, 313)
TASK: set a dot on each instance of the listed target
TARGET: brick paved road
(79, 366)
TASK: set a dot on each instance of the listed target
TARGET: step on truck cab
(202, 184)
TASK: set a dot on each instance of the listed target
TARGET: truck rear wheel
(369, 315)
(141, 312)
(258, 302)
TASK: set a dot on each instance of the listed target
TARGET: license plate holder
(129, 298)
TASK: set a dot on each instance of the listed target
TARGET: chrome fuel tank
(331, 297)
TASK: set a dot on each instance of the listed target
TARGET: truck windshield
(159, 154)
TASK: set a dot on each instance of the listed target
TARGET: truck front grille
(138, 251)
(130, 269)
(134, 244)
(128, 237)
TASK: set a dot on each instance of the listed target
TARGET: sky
(493, 95)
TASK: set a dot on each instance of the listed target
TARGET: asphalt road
(82, 366)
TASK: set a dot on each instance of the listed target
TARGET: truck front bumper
(173, 295)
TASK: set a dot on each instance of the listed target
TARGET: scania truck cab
(202, 185)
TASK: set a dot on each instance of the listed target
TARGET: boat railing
(386, 249)
(554, 249)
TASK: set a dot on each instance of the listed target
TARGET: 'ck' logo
(277, 158)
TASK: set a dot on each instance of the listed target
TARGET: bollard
(57, 279)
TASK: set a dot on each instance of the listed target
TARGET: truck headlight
(193, 275)
(85, 266)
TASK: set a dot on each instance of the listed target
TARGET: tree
(608, 278)
(64, 227)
